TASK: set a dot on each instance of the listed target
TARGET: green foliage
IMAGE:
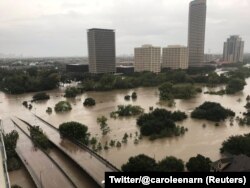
(13, 163)
(112, 143)
(103, 125)
(144, 163)
(248, 98)
(178, 116)
(125, 138)
(10, 141)
(93, 141)
(127, 97)
(134, 95)
(41, 96)
(71, 92)
(19, 81)
(63, 106)
(89, 102)
(49, 110)
(75, 130)
(211, 111)
(169, 91)
(38, 138)
(25, 104)
(16, 186)
(127, 110)
(220, 92)
(160, 123)
(171, 164)
(118, 144)
(139, 163)
(199, 164)
(235, 145)
(234, 85)
(247, 105)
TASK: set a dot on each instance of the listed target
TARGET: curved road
(43, 169)
(93, 166)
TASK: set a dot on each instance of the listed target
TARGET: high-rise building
(148, 58)
(196, 32)
(175, 57)
(101, 49)
(233, 49)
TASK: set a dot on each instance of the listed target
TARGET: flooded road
(198, 140)
(39, 165)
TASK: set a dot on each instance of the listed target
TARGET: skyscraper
(196, 32)
(175, 57)
(233, 49)
(101, 49)
(148, 58)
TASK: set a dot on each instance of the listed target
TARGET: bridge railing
(6, 175)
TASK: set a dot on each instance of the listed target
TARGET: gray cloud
(58, 27)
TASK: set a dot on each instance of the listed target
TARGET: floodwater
(198, 140)
(22, 178)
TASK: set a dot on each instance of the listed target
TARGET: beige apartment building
(175, 57)
(148, 58)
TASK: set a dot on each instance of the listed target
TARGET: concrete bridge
(92, 163)
(44, 171)
(4, 177)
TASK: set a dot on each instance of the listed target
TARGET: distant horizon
(118, 56)
(46, 28)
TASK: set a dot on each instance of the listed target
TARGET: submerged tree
(103, 125)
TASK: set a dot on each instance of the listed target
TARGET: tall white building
(148, 58)
(233, 49)
(196, 32)
(175, 57)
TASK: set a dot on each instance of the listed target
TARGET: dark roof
(98, 29)
(239, 163)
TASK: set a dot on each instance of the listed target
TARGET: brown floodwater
(198, 140)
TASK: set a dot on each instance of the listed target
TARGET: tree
(127, 110)
(234, 85)
(211, 111)
(71, 92)
(10, 141)
(75, 130)
(41, 96)
(38, 138)
(103, 125)
(134, 95)
(49, 110)
(235, 145)
(63, 106)
(168, 91)
(89, 102)
(171, 164)
(160, 123)
(139, 163)
(199, 164)
(127, 97)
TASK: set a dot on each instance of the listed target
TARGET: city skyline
(58, 28)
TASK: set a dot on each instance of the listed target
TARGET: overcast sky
(58, 27)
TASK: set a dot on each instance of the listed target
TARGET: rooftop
(99, 29)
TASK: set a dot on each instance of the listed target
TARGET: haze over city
(58, 28)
